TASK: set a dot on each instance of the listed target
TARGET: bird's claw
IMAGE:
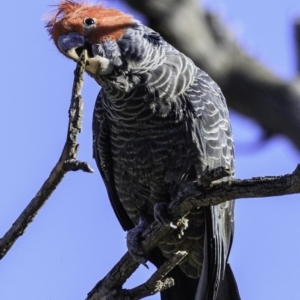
(134, 245)
(161, 215)
(209, 175)
(172, 225)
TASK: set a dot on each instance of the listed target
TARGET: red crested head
(93, 21)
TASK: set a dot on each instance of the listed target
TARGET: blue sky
(75, 239)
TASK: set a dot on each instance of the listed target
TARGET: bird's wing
(102, 155)
(213, 130)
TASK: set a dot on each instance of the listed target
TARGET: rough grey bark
(67, 162)
(249, 87)
(110, 287)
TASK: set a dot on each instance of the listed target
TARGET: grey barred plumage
(159, 122)
(172, 119)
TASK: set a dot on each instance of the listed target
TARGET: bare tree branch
(249, 87)
(193, 196)
(156, 283)
(66, 162)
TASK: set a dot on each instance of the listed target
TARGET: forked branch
(191, 197)
(67, 162)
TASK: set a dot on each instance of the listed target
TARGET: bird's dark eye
(88, 22)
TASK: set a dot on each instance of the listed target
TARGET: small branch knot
(164, 284)
(76, 165)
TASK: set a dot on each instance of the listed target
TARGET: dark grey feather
(159, 121)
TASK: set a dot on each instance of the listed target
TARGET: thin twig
(61, 168)
(76, 165)
(193, 196)
(157, 282)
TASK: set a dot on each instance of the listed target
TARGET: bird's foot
(134, 243)
(162, 216)
(209, 175)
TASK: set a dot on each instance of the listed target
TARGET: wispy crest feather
(69, 15)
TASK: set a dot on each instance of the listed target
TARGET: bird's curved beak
(73, 44)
